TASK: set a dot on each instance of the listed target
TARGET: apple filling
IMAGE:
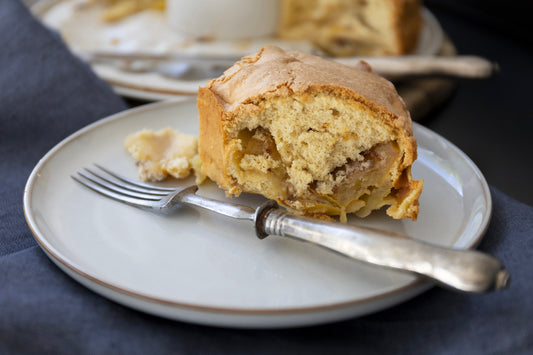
(316, 159)
(359, 186)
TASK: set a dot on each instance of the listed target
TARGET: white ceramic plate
(207, 269)
(82, 29)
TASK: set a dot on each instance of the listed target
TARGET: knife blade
(393, 68)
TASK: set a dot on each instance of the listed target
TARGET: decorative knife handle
(472, 67)
(464, 270)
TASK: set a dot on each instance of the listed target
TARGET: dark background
(492, 120)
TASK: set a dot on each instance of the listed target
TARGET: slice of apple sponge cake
(319, 137)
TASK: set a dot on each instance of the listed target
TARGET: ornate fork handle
(464, 270)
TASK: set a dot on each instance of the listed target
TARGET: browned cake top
(275, 72)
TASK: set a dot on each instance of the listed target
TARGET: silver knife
(471, 67)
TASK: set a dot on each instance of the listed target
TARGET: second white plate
(83, 30)
(207, 269)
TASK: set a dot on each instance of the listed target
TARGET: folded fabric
(47, 94)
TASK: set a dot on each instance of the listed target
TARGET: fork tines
(121, 188)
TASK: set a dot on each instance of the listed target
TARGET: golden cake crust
(407, 24)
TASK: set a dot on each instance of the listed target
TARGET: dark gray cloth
(46, 94)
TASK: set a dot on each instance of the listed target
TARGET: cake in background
(116, 10)
(336, 27)
(353, 27)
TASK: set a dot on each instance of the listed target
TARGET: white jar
(223, 19)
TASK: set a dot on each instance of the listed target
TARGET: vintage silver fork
(463, 270)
